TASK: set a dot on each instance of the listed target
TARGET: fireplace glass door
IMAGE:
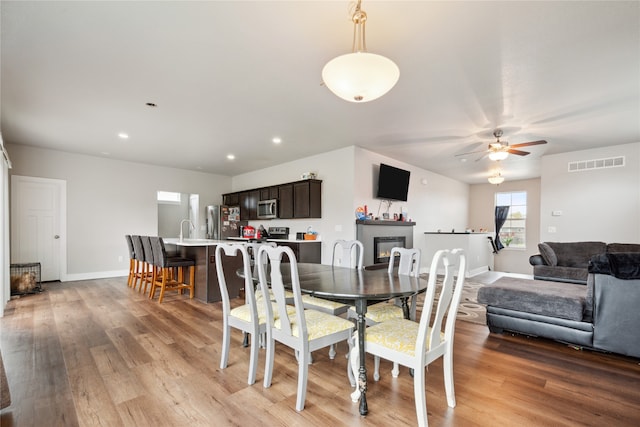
(382, 247)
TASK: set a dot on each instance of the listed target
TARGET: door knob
(56, 237)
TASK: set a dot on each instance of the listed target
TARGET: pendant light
(360, 76)
(496, 179)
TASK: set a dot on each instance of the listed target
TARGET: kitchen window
(513, 232)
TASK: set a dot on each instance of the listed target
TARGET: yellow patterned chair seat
(288, 295)
(397, 334)
(244, 312)
(325, 305)
(319, 324)
(384, 311)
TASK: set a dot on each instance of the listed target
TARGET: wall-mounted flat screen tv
(393, 183)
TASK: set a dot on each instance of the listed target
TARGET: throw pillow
(548, 254)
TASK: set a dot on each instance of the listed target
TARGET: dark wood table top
(343, 283)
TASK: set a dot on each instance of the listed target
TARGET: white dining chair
(303, 330)
(408, 264)
(417, 344)
(249, 317)
(344, 253)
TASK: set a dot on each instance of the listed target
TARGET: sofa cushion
(553, 299)
(620, 265)
(615, 248)
(548, 254)
(560, 274)
(576, 254)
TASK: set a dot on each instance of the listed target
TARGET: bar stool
(132, 260)
(165, 277)
(149, 271)
(139, 260)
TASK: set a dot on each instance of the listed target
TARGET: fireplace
(382, 247)
(387, 234)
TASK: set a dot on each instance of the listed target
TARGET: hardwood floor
(96, 353)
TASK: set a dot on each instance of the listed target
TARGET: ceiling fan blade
(528, 144)
(482, 157)
(518, 152)
(470, 152)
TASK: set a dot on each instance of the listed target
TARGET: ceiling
(228, 76)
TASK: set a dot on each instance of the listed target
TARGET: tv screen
(393, 183)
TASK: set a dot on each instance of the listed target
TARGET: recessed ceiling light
(230, 156)
(276, 140)
(123, 135)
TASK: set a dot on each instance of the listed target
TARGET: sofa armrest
(536, 260)
(615, 314)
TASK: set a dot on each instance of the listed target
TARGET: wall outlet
(556, 213)
(338, 228)
(120, 259)
(551, 230)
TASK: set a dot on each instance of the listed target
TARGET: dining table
(360, 287)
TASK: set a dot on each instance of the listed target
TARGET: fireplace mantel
(384, 222)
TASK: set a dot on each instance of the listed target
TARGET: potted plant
(507, 240)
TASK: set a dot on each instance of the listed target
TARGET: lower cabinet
(310, 252)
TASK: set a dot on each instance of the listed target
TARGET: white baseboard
(94, 275)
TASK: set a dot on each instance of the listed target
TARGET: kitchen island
(203, 252)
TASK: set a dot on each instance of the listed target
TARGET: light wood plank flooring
(96, 353)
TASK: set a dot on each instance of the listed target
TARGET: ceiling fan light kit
(496, 179)
(498, 155)
(360, 76)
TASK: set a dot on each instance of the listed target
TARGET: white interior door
(36, 232)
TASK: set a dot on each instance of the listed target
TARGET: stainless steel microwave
(268, 209)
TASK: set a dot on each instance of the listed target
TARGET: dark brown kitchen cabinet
(232, 199)
(249, 204)
(307, 199)
(269, 193)
(285, 201)
(305, 252)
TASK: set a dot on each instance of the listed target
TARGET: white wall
(598, 204)
(482, 216)
(107, 199)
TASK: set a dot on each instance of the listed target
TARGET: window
(513, 232)
(168, 197)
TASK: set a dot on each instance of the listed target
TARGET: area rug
(469, 310)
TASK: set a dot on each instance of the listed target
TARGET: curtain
(501, 216)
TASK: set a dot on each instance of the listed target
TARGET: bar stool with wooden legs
(132, 260)
(139, 260)
(149, 272)
(165, 278)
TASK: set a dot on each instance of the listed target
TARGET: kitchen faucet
(182, 223)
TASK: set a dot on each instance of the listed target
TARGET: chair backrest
(137, 247)
(346, 256)
(430, 331)
(409, 263)
(132, 252)
(252, 249)
(235, 250)
(159, 252)
(272, 258)
(148, 251)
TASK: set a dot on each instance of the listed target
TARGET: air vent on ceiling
(584, 165)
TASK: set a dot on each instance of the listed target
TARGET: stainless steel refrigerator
(223, 222)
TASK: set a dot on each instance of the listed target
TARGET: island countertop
(194, 242)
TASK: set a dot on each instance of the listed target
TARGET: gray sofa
(568, 261)
(602, 315)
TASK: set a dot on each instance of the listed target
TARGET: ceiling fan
(500, 150)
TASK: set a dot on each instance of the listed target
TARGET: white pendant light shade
(360, 76)
(498, 155)
(496, 179)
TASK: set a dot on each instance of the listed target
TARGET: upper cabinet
(300, 199)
